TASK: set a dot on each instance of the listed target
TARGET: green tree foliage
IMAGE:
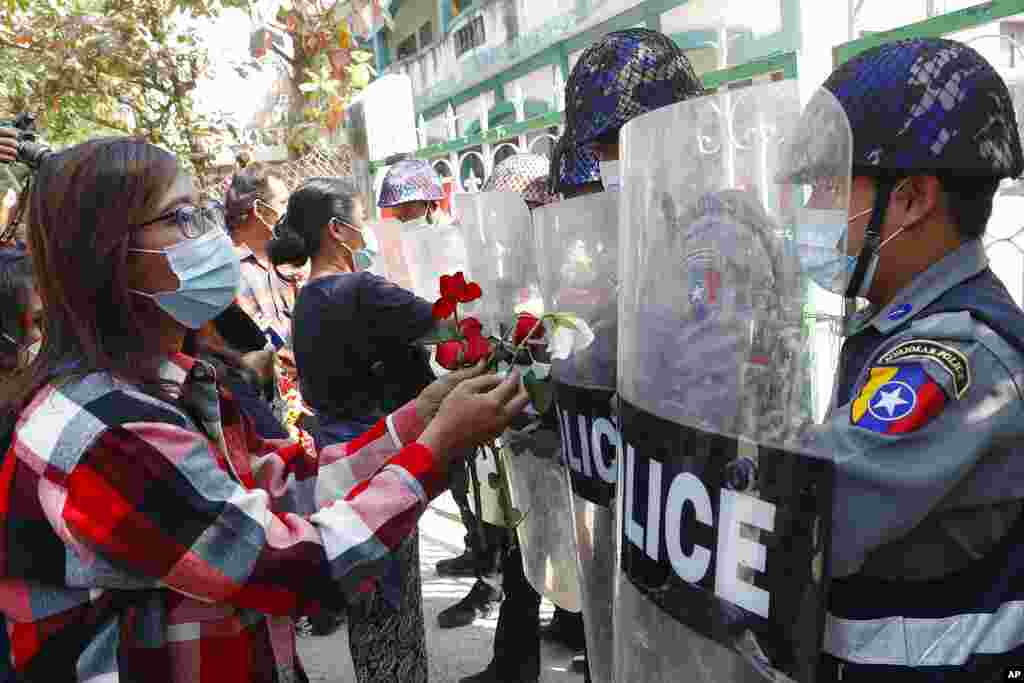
(88, 67)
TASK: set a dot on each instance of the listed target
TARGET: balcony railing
(452, 75)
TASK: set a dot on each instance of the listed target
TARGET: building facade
(488, 75)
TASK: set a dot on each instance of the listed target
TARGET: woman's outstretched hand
(430, 399)
(475, 409)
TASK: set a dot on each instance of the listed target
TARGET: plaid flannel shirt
(264, 296)
(138, 547)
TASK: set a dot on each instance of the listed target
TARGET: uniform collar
(961, 264)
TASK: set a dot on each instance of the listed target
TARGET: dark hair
(86, 202)
(247, 186)
(243, 159)
(310, 208)
(969, 202)
(15, 293)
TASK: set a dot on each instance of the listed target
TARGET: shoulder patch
(949, 359)
(897, 400)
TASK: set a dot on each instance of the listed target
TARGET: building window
(470, 36)
(407, 48)
(426, 34)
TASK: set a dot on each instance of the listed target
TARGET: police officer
(621, 76)
(927, 421)
(413, 190)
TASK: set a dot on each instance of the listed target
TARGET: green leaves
(321, 83)
(360, 75)
(96, 67)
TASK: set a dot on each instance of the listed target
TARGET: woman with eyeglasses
(354, 335)
(149, 533)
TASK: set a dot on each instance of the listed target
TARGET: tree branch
(100, 121)
(277, 51)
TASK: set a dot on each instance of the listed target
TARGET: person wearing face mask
(651, 73)
(164, 540)
(412, 191)
(354, 335)
(595, 109)
(254, 203)
(926, 422)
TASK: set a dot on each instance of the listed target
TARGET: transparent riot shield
(733, 206)
(502, 257)
(489, 480)
(540, 493)
(391, 262)
(430, 251)
(578, 252)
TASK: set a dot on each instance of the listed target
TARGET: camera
(30, 151)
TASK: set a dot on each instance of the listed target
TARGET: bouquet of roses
(529, 342)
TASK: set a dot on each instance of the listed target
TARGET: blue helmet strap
(866, 260)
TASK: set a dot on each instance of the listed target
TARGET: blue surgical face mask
(362, 259)
(209, 274)
(821, 246)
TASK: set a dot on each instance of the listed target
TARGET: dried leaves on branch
(326, 68)
(88, 67)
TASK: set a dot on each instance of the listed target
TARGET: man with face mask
(623, 75)
(651, 72)
(412, 190)
(254, 203)
(926, 419)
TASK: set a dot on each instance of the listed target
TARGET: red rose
(470, 328)
(525, 325)
(477, 348)
(443, 308)
(450, 354)
(456, 288)
(454, 291)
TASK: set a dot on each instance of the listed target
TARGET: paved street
(453, 653)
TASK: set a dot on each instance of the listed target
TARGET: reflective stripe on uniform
(902, 641)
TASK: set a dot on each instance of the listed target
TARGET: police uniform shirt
(924, 428)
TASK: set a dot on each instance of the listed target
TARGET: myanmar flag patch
(897, 399)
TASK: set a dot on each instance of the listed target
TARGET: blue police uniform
(927, 429)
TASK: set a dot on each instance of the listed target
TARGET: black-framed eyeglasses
(194, 221)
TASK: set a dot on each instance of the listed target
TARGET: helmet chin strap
(867, 260)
